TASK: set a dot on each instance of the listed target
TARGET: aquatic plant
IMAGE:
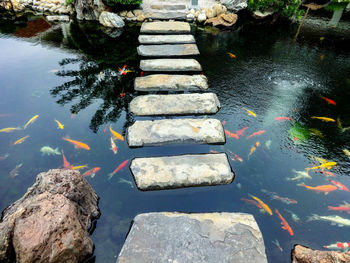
(299, 133)
(287, 8)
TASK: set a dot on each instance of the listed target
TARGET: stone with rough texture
(235, 5)
(190, 170)
(175, 104)
(301, 254)
(58, 18)
(51, 222)
(166, 39)
(170, 64)
(201, 17)
(165, 27)
(168, 131)
(109, 19)
(163, 82)
(169, 15)
(183, 238)
(178, 50)
(89, 9)
(223, 20)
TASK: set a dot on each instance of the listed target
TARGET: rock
(162, 82)
(140, 18)
(16, 6)
(168, 131)
(51, 222)
(158, 173)
(301, 254)
(166, 39)
(219, 9)
(190, 17)
(109, 19)
(170, 64)
(89, 9)
(175, 104)
(201, 17)
(261, 15)
(112, 32)
(123, 13)
(138, 12)
(234, 5)
(207, 237)
(130, 14)
(165, 27)
(174, 50)
(210, 13)
(223, 20)
(57, 18)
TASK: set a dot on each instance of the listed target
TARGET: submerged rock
(235, 5)
(301, 254)
(223, 20)
(51, 222)
(109, 19)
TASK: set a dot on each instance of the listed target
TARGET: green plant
(337, 6)
(288, 8)
(123, 2)
(69, 2)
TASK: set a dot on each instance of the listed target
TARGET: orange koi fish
(92, 172)
(283, 119)
(263, 205)
(321, 188)
(250, 201)
(66, 164)
(343, 208)
(326, 173)
(256, 134)
(122, 94)
(233, 135)
(122, 71)
(115, 134)
(77, 144)
(329, 101)
(121, 166)
(231, 55)
(252, 150)
(339, 185)
(19, 141)
(113, 146)
(284, 223)
(241, 131)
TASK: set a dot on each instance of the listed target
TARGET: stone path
(178, 50)
(170, 64)
(165, 28)
(166, 39)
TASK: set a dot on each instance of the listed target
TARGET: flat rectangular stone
(165, 27)
(189, 170)
(169, 7)
(168, 131)
(177, 50)
(175, 15)
(193, 238)
(163, 82)
(166, 39)
(170, 64)
(175, 104)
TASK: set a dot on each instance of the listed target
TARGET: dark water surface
(70, 74)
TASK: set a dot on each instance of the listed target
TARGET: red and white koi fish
(275, 196)
(329, 101)
(233, 135)
(235, 157)
(252, 202)
(241, 131)
(256, 134)
(66, 164)
(113, 146)
(284, 223)
(4, 157)
(339, 246)
(275, 242)
(92, 172)
(121, 166)
(283, 119)
(326, 173)
(344, 208)
(339, 185)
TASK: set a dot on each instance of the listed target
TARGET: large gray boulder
(89, 9)
(234, 5)
(51, 222)
(109, 19)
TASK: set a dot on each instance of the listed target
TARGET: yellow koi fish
(31, 120)
(327, 165)
(60, 125)
(326, 119)
(115, 134)
(249, 112)
(318, 159)
(263, 205)
(253, 149)
(79, 167)
(19, 141)
(10, 129)
(347, 152)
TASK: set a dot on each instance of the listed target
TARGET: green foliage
(288, 8)
(337, 5)
(123, 2)
(69, 2)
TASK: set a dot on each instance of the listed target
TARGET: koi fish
(47, 150)
(322, 57)
(249, 112)
(294, 216)
(233, 135)
(334, 219)
(66, 164)
(283, 119)
(10, 129)
(326, 119)
(275, 196)
(252, 150)
(77, 144)
(284, 223)
(327, 165)
(329, 101)
(19, 141)
(31, 121)
(231, 55)
(344, 246)
(318, 159)
(79, 167)
(115, 134)
(327, 173)
(241, 131)
(53, 71)
(341, 127)
(121, 166)
(277, 244)
(14, 171)
(92, 172)
(122, 71)
(263, 205)
(268, 144)
(316, 132)
(60, 125)
(347, 152)
(235, 157)
(300, 175)
(344, 208)
(122, 94)
(123, 181)
(113, 146)
(256, 134)
(252, 202)
(105, 129)
(141, 73)
(339, 185)
(4, 157)
(321, 188)
(223, 123)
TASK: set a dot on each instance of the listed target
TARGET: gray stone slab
(165, 27)
(175, 15)
(164, 82)
(169, 7)
(175, 104)
(166, 39)
(195, 238)
(170, 64)
(169, 172)
(177, 50)
(168, 131)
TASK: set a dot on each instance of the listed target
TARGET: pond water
(70, 74)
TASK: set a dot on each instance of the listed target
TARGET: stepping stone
(175, 104)
(199, 237)
(166, 39)
(163, 82)
(165, 27)
(170, 131)
(170, 64)
(175, 15)
(169, 7)
(168, 50)
(158, 173)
